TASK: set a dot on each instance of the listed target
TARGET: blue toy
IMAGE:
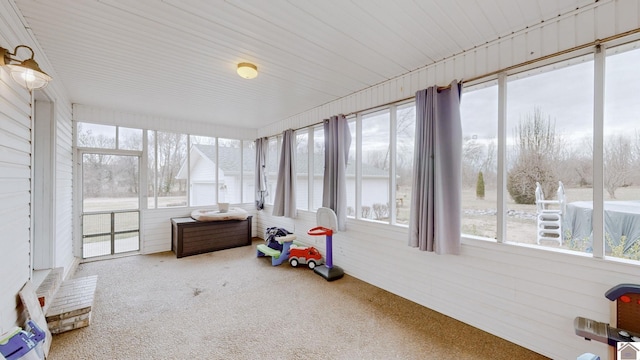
(278, 245)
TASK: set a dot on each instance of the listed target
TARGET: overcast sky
(563, 94)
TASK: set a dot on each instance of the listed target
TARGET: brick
(71, 308)
(49, 286)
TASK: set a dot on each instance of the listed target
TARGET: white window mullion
(393, 126)
(242, 171)
(156, 169)
(144, 172)
(188, 185)
(217, 160)
(311, 178)
(358, 166)
(501, 230)
(598, 153)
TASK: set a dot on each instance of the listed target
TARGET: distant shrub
(618, 250)
(480, 186)
(380, 211)
(522, 178)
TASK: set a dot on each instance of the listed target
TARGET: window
(151, 170)
(405, 141)
(96, 136)
(622, 152)
(318, 166)
(248, 171)
(479, 113)
(201, 171)
(129, 139)
(549, 132)
(178, 164)
(352, 184)
(229, 170)
(302, 169)
(547, 138)
(375, 166)
(171, 155)
(273, 162)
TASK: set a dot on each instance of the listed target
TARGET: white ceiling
(177, 58)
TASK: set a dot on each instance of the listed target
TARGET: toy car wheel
(311, 264)
(293, 262)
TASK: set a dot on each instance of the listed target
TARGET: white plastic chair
(549, 215)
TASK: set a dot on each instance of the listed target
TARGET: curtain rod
(596, 42)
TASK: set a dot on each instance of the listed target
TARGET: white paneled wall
(156, 227)
(15, 195)
(526, 295)
(15, 174)
(64, 186)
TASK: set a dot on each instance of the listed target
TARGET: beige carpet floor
(231, 305)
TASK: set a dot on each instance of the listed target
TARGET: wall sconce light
(27, 73)
(247, 70)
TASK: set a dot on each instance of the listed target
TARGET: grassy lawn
(479, 216)
(478, 219)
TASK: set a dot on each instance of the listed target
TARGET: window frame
(152, 146)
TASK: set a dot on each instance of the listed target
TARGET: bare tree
(635, 176)
(618, 163)
(579, 163)
(171, 155)
(406, 128)
(536, 134)
(97, 168)
(536, 149)
(97, 174)
(379, 159)
(478, 157)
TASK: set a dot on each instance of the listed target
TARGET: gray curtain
(337, 139)
(261, 172)
(434, 223)
(284, 203)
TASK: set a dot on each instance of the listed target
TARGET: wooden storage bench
(191, 237)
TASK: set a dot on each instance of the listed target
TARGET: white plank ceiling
(177, 58)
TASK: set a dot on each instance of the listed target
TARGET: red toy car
(305, 255)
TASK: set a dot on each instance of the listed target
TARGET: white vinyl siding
(15, 195)
(15, 174)
(15, 184)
